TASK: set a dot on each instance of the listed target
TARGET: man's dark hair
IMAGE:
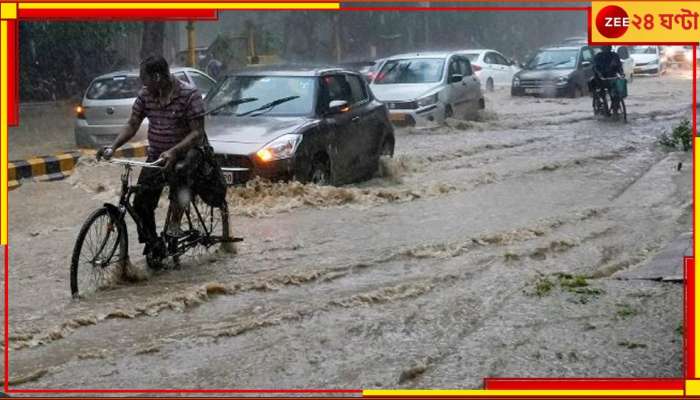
(155, 65)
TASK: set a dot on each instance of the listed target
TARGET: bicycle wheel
(623, 108)
(600, 103)
(99, 255)
(204, 226)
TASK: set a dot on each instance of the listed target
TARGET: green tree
(58, 59)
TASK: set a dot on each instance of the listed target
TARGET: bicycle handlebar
(617, 76)
(124, 161)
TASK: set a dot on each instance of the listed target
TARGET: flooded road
(484, 248)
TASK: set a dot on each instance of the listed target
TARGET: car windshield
(642, 50)
(554, 59)
(118, 87)
(265, 89)
(414, 70)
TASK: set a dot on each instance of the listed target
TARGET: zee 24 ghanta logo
(613, 21)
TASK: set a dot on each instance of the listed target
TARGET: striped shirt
(168, 124)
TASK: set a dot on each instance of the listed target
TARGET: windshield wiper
(269, 105)
(233, 102)
(541, 64)
(561, 63)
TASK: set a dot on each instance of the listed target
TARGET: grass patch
(588, 291)
(625, 310)
(543, 287)
(632, 345)
(570, 282)
(680, 138)
(576, 284)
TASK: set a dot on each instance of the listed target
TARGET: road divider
(59, 166)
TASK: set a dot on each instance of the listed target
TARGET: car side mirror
(521, 65)
(338, 106)
(454, 78)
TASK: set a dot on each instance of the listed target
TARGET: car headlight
(427, 101)
(516, 81)
(562, 80)
(279, 149)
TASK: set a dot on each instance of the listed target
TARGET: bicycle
(616, 106)
(101, 248)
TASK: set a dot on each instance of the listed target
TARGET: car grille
(642, 64)
(402, 105)
(235, 161)
(532, 82)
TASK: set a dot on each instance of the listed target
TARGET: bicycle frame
(124, 206)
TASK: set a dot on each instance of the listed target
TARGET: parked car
(678, 55)
(492, 67)
(648, 60)
(556, 71)
(627, 61)
(367, 68)
(574, 40)
(622, 51)
(320, 125)
(425, 88)
(107, 103)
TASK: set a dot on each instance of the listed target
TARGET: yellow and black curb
(59, 166)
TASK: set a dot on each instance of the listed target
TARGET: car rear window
(118, 87)
(415, 70)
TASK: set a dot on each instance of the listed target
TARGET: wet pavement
(484, 248)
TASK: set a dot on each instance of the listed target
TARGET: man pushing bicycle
(175, 111)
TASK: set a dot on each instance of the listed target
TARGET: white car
(647, 60)
(106, 105)
(681, 56)
(422, 89)
(627, 61)
(492, 68)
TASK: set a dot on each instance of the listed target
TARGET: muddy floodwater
(483, 248)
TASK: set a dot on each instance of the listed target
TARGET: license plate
(228, 177)
(533, 90)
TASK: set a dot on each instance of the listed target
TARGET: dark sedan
(555, 71)
(313, 125)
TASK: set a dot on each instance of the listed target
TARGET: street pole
(191, 62)
(337, 28)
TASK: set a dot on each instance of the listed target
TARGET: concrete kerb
(59, 166)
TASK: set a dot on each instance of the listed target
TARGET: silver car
(106, 105)
(422, 89)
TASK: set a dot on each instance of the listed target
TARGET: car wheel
(448, 111)
(576, 91)
(489, 85)
(387, 149)
(320, 171)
